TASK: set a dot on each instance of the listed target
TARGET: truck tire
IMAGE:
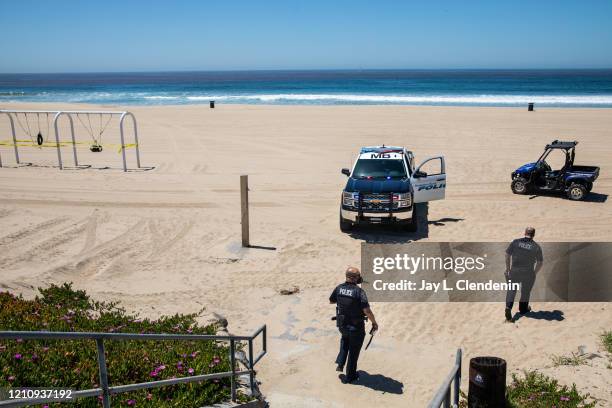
(345, 225)
(576, 192)
(413, 224)
(519, 186)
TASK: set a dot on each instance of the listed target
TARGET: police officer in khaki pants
(352, 307)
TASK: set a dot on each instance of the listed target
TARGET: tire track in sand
(31, 230)
(49, 247)
(160, 244)
(92, 227)
(93, 262)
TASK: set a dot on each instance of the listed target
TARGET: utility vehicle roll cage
(569, 147)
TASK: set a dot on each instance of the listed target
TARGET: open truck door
(429, 180)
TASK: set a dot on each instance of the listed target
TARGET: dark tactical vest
(349, 306)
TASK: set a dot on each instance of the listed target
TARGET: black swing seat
(96, 148)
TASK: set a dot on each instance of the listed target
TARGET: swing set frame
(12, 115)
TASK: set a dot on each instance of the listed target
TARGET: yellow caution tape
(127, 146)
(28, 143)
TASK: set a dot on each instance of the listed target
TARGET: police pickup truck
(384, 186)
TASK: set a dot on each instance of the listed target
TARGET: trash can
(487, 387)
(530, 107)
(212, 104)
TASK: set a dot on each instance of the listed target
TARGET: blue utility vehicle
(538, 177)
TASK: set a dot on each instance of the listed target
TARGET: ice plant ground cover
(535, 390)
(606, 341)
(73, 364)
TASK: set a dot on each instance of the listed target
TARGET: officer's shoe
(508, 314)
(525, 311)
(339, 368)
(349, 380)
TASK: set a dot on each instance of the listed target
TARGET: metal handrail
(105, 390)
(443, 396)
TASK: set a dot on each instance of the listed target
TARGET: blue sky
(109, 35)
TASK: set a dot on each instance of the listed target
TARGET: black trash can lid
(488, 361)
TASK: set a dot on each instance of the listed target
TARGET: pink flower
(17, 356)
(11, 378)
(195, 354)
(34, 357)
(149, 396)
(565, 399)
(190, 371)
(161, 367)
(216, 360)
(153, 373)
(19, 340)
(131, 402)
(45, 349)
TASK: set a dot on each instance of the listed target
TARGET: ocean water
(561, 88)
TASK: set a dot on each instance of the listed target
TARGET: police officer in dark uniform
(523, 261)
(352, 307)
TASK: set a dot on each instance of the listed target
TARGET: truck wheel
(413, 224)
(519, 186)
(345, 225)
(576, 192)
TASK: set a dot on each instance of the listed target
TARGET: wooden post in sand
(244, 209)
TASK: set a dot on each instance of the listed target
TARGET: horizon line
(302, 70)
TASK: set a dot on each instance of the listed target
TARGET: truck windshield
(380, 168)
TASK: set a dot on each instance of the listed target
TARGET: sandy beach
(166, 239)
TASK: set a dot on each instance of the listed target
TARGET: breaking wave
(415, 99)
(171, 98)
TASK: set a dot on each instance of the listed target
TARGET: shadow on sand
(388, 234)
(596, 198)
(590, 197)
(378, 382)
(556, 315)
(80, 167)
